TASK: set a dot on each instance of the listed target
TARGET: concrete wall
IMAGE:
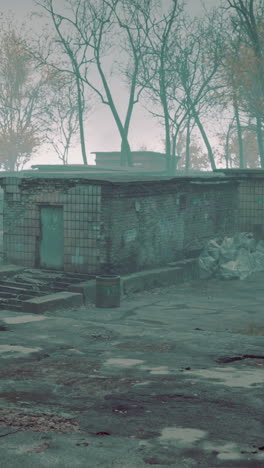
(81, 204)
(152, 224)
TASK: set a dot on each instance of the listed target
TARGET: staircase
(32, 283)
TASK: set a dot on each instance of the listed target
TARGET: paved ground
(173, 378)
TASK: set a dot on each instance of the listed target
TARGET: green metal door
(52, 235)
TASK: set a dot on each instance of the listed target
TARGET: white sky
(101, 133)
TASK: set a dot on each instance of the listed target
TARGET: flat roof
(139, 152)
(111, 177)
(259, 171)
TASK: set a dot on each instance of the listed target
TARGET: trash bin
(108, 291)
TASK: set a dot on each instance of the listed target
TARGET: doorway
(51, 248)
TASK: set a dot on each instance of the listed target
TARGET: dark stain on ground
(124, 415)
(133, 311)
(95, 386)
(144, 434)
(16, 374)
(49, 370)
(227, 360)
(147, 347)
(152, 322)
(157, 461)
(42, 356)
(103, 433)
(178, 306)
(169, 455)
(122, 408)
(19, 396)
(153, 398)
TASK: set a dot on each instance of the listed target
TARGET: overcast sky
(22, 5)
(101, 132)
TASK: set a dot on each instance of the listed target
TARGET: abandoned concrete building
(117, 223)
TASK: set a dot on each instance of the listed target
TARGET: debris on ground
(36, 422)
(232, 257)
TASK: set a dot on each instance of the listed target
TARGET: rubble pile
(232, 257)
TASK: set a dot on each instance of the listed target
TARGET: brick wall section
(151, 224)
(211, 210)
(251, 205)
(81, 210)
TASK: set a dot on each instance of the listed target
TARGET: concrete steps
(70, 290)
(19, 285)
(60, 300)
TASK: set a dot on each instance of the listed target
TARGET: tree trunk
(260, 140)
(205, 139)
(164, 103)
(227, 150)
(80, 117)
(126, 157)
(174, 140)
(168, 147)
(11, 161)
(167, 140)
(174, 152)
(239, 135)
(170, 161)
(187, 154)
(227, 144)
(167, 137)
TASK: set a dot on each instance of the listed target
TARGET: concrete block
(174, 273)
(190, 268)
(149, 279)
(60, 300)
(86, 288)
(161, 277)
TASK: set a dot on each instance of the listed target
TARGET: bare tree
(88, 34)
(22, 88)
(73, 60)
(161, 28)
(38, 104)
(248, 23)
(197, 66)
(61, 115)
(193, 157)
(185, 75)
(163, 31)
(226, 97)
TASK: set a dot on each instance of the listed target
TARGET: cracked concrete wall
(150, 225)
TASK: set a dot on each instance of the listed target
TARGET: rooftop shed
(144, 160)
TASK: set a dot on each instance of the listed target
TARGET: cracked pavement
(172, 378)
